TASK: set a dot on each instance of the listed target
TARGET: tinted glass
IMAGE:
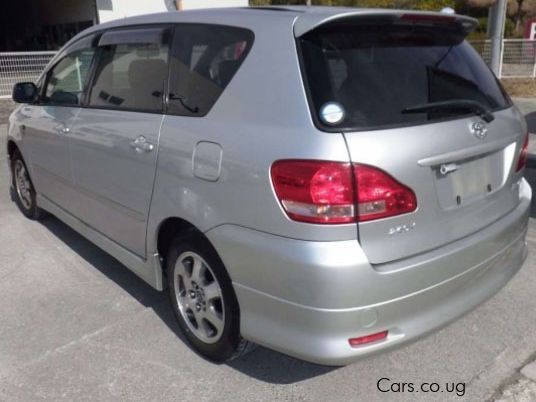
(67, 79)
(376, 71)
(131, 76)
(204, 59)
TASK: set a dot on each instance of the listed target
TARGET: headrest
(147, 74)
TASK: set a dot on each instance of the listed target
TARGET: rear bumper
(306, 299)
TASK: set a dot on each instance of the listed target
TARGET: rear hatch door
(461, 167)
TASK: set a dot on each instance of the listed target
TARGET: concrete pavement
(6, 107)
(76, 325)
(526, 105)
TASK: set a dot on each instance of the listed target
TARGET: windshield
(374, 71)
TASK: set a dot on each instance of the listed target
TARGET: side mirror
(25, 92)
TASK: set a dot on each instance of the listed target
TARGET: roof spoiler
(312, 20)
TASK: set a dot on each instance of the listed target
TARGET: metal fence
(518, 60)
(21, 66)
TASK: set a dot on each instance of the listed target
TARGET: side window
(132, 70)
(66, 81)
(204, 59)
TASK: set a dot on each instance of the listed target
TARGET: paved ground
(526, 105)
(6, 107)
(76, 325)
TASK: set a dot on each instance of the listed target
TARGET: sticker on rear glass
(332, 113)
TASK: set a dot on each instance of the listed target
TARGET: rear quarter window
(204, 59)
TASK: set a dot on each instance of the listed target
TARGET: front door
(49, 123)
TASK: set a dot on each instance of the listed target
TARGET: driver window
(66, 80)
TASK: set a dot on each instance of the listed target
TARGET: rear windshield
(375, 71)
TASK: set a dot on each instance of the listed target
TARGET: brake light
(428, 18)
(326, 192)
(467, 25)
(523, 154)
(380, 196)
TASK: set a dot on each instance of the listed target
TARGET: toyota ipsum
(324, 182)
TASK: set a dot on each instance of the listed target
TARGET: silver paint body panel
(303, 289)
(114, 180)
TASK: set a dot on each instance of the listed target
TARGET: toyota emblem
(479, 129)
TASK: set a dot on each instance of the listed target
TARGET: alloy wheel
(22, 184)
(199, 297)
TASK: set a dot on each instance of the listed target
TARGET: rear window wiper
(476, 107)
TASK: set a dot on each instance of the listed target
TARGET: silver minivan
(325, 182)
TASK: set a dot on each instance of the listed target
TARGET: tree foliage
(406, 4)
(519, 11)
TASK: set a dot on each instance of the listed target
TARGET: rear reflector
(363, 340)
(327, 192)
(523, 154)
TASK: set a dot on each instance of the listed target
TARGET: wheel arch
(168, 230)
(12, 148)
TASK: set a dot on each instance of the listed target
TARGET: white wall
(114, 9)
(190, 4)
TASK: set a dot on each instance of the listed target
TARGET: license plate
(459, 183)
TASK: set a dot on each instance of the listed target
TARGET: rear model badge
(479, 129)
(402, 228)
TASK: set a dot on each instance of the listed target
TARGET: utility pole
(496, 20)
(96, 20)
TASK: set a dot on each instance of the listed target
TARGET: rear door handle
(141, 144)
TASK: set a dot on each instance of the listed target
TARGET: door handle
(141, 144)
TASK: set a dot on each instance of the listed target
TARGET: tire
(22, 189)
(203, 300)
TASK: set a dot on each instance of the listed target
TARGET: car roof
(301, 18)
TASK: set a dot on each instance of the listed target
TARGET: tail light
(523, 154)
(332, 192)
(315, 191)
(380, 196)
